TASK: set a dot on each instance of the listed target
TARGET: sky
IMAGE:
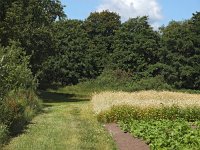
(160, 12)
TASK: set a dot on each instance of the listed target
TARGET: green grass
(67, 122)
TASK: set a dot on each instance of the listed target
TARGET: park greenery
(164, 120)
(165, 134)
(41, 47)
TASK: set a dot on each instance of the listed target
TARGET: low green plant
(127, 112)
(165, 134)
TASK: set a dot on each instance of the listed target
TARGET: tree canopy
(70, 51)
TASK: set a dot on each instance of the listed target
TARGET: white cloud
(133, 8)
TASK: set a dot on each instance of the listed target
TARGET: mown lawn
(67, 122)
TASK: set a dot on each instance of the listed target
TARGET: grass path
(67, 122)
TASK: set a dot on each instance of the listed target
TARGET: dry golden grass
(143, 99)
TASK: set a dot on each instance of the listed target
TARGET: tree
(68, 65)
(180, 40)
(30, 23)
(135, 46)
(101, 28)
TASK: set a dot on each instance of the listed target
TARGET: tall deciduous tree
(101, 28)
(30, 23)
(68, 65)
(135, 46)
(181, 41)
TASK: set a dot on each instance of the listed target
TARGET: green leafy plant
(165, 134)
(18, 101)
(14, 69)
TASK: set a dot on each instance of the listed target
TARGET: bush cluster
(18, 108)
(18, 101)
(14, 69)
(120, 80)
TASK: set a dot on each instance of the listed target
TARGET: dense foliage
(30, 23)
(69, 64)
(182, 53)
(70, 51)
(101, 28)
(161, 128)
(14, 69)
(25, 42)
(136, 46)
(165, 134)
(38, 44)
(18, 102)
(86, 49)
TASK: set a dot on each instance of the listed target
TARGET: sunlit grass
(66, 123)
(143, 99)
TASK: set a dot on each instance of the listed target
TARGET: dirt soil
(125, 141)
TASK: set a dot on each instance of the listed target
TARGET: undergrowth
(17, 109)
(119, 80)
(163, 128)
(127, 112)
(18, 101)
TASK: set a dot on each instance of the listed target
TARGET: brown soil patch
(125, 141)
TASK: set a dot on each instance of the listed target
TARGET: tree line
(69, 51)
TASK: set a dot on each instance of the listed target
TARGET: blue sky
(159, 11)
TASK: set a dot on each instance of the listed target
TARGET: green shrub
(3, 134)
(18, 108)
(108, 80)
(113, 80)
(127, 112)
(150, 83)
(14, 70)
(18, 102)
(120, 80)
